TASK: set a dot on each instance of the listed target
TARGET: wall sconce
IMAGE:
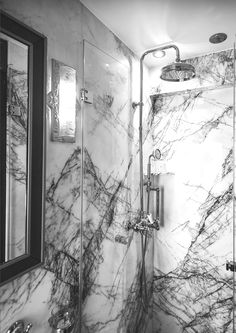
(62, 102)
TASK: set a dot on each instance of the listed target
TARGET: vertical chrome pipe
(79, 325)
(234, 185)
(144, 238)
(141, 112)
(149, 182)
(143, 270)
(141, 134)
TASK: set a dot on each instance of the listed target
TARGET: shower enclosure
(102, 259)
(193, 284)
(177, 280)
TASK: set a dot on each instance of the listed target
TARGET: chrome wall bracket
(134, 104)
(231, 266)
(86, 96)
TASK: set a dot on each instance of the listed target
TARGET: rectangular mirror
(15, 66)
(22, 102)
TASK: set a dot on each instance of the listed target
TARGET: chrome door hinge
(86, 96)
(231, 266)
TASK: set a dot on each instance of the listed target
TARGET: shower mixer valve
(150, 222)
(145, 223)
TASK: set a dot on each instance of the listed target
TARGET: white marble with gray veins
(193, 292)
(111, 297)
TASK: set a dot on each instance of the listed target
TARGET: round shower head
(178, 72)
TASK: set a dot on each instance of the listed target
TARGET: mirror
(14, 64)
(22, 99)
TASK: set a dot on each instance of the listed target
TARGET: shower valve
(146, 223)
(148, 183)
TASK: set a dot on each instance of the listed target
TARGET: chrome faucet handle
(28, 327)
(18, 327)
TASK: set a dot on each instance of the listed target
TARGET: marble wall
(193, 128)
(111, 256)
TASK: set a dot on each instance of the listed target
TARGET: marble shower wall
(111, 255)
(194, 130)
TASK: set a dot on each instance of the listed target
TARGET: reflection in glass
(16, 147)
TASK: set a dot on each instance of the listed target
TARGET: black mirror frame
(37, 64)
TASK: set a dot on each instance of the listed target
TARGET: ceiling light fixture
(159, 54)
(218, 38)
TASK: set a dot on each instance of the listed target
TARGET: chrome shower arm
(162, 48)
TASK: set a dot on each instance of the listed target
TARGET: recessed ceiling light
(159, 54)
(218, 38)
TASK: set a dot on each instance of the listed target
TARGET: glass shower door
(106, 203)
(234, 182)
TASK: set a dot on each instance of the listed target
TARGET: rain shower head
(178, 72)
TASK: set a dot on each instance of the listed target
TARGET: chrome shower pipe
(148, 183)
(161, 48)
(144, 237)
(149, 166)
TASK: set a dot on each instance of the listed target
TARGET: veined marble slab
(192, 290)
